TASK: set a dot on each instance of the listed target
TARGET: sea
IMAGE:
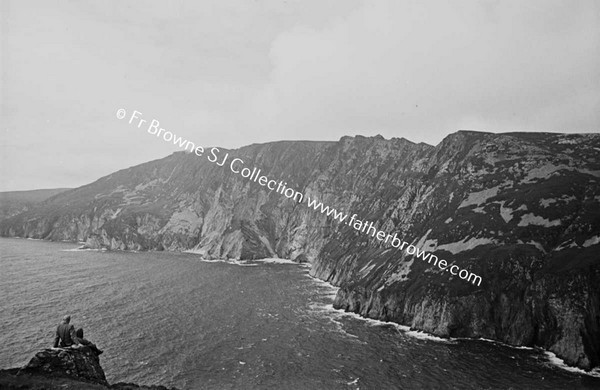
(177, 320)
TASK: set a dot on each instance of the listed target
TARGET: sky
(232, 73)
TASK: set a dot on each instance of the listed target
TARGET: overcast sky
(232, 73)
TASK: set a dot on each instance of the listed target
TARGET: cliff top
(63, 368)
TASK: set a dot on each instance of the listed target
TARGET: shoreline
(551, 357)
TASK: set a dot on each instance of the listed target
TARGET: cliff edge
(63, 368)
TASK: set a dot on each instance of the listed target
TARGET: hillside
(521, 210)
(15, 202)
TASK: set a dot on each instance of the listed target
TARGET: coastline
(417, 333)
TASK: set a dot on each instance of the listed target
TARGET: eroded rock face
(521, 210)
(81, 364)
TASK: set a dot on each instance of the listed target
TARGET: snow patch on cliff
(429, 245)
(505, 212)
(267, 244)
(423, 239)
(566, 244)
(531, 219)
(547, 202)
(591, 241)
(465, 245)
(477, 198)
(537, 245)
(545, 171)
(572, 244)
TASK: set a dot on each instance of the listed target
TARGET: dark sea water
(171, 319)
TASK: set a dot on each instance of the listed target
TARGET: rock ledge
(63, 368)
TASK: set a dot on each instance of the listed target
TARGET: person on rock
(65, 333)
(81, 341)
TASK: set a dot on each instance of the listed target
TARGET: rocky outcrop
(60, 368)
(521, 210)
(81, 364)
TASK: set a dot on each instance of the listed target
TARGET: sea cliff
(522, 210)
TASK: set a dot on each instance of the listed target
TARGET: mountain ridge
(519, 209)
(16, 202)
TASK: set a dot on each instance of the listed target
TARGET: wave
(558, 362)
(276, 261)
(550, 356)
(370, 321)
(83, 250)
(240, 263)
(249, 263)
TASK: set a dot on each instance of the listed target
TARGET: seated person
(65, 333)
(78, 338)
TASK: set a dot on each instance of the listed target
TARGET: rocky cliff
(67, 368)
(521, 210)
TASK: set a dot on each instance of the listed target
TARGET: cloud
(422, 69)
(235, 73)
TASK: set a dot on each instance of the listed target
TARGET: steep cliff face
(520, 210)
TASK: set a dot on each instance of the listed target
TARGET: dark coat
(65, 335)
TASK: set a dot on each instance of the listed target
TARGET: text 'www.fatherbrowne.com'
(237, 166)
(368, 228)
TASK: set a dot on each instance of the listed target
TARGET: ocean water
(172, 319)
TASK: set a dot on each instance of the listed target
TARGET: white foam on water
(331, 290)
(230, 261)
(276, 261)
(373, 322)
(417, 334)
(558, 362)
(552, 358)
(338, 313)
(81, 250)
(425, 336)
(241, 263)
(493, 342)
(370, 321)
(251, 263)
(328, 310)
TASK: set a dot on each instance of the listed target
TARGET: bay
(172, 319)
